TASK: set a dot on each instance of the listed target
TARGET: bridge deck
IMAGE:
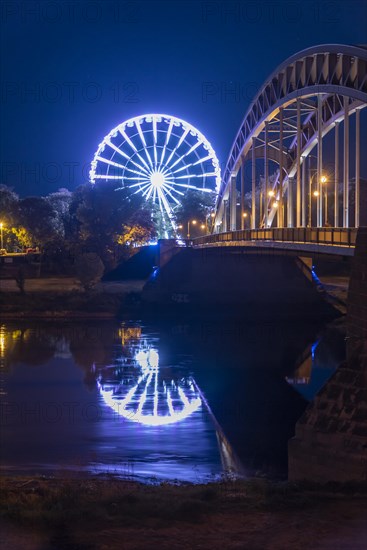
(331, 240)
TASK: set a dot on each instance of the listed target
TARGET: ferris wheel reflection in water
(154, 399)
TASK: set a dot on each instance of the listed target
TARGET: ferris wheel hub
(157, 179)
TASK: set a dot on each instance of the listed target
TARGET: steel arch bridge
(312, 94)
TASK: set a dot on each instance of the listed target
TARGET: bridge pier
(330, 443)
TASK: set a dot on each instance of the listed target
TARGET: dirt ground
(107, 515)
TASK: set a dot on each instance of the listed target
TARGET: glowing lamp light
(271, 193)
(316, 193)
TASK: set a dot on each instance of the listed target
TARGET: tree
(60, 204)
(102, 216)
(195, 205)
(37, 216)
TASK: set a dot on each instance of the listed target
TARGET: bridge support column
(280, 201)
(266, 174)
(290, 222)
(232, 204)
(346, 164)
(319, 160)
(242, 195)
(304, 198)
(224, 224)
(298, 192)
(357, 192)
(336, 170)
(253, 194)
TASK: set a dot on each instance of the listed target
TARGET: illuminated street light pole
(212, 216)
(324, 182)
(247, 215)
(188, 227)
(2, 240)
(316, 194)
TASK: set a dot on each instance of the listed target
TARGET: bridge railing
(335, 236)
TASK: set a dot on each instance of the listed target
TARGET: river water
(171, 400)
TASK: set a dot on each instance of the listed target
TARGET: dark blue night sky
(71, 71)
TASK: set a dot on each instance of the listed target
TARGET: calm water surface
(171, 400)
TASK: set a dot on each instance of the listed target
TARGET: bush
(89, 269)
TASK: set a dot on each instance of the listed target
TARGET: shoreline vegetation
(108, 512)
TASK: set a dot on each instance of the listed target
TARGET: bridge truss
(316, 95)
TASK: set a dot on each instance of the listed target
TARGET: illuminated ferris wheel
(159, 156)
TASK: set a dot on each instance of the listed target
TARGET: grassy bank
(110, 513)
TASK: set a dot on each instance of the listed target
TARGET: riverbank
(63, 298)
(94, 513)
(58, 298)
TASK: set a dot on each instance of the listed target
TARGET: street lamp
(188, 227)
(1, 229)
(324, 181)
(212, 216)
(316, 193)
(247, 215)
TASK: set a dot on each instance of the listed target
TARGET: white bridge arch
(312, 93)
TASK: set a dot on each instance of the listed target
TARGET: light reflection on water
(165, 402)
(121, 414)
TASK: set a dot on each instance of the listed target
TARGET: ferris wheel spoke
(107, 177)
(207, 175)
(165, 204)
(142, 189)
(110, 162)
(140, 132)
(208, 157)
(132, 145)
(144, 161)
(182, 168)
(124, 155)
(143, 174)
(155, 141)
(140, 183)
(188, 186)
(186, 154)
(170, 186)
(148, 192)
(177, 146)
(167, 190)
(127, 139)
(169, 131)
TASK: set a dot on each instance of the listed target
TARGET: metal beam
(298, 192)
(233, 204)
(280, 203)
(336, 170)
(243, 194)
(304, 198)
(266, 174)
(319, 160)
(253, 194)
(346, 164)
(358, 167)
